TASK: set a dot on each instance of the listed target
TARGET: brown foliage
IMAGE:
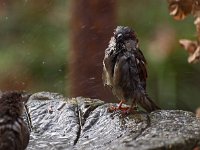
(179, 9)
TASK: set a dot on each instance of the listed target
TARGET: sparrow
(14, 133)
(124, 71)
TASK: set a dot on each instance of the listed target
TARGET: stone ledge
(83, 123)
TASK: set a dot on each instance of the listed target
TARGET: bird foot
(113, 108)
(124, 110)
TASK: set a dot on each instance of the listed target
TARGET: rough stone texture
(83, 123)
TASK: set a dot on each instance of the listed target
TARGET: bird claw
(113, 108)
(124, 110)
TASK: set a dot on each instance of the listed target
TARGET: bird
(14, 133)
(124, 71)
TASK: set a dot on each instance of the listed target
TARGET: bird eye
(119, 36)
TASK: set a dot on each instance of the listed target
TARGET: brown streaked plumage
(124, 70)
(14, 134)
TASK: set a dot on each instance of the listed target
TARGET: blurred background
(58, 46)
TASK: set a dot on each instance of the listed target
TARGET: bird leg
(132, 109)
(119, 107)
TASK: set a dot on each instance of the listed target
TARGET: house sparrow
(14, 134)
(124, 70)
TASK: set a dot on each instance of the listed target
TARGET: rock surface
(83, 123)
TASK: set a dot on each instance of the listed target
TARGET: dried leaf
(190, 46)
(179, 9)
(195, 57)
(196, 8)
(197, 23)
(177, 13)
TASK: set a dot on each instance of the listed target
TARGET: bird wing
(126, 79)
(141, 65)
(108, 68)
(105, 76)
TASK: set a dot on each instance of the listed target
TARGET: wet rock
(83, 123)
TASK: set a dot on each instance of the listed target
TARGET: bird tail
(148, 104)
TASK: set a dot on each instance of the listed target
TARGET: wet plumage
(124, 69)
(14, 134)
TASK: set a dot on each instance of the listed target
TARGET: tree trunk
(92, 24)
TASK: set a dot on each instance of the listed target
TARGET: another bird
(14, 134)
(124, 70)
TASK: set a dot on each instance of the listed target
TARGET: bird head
(126, 36)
